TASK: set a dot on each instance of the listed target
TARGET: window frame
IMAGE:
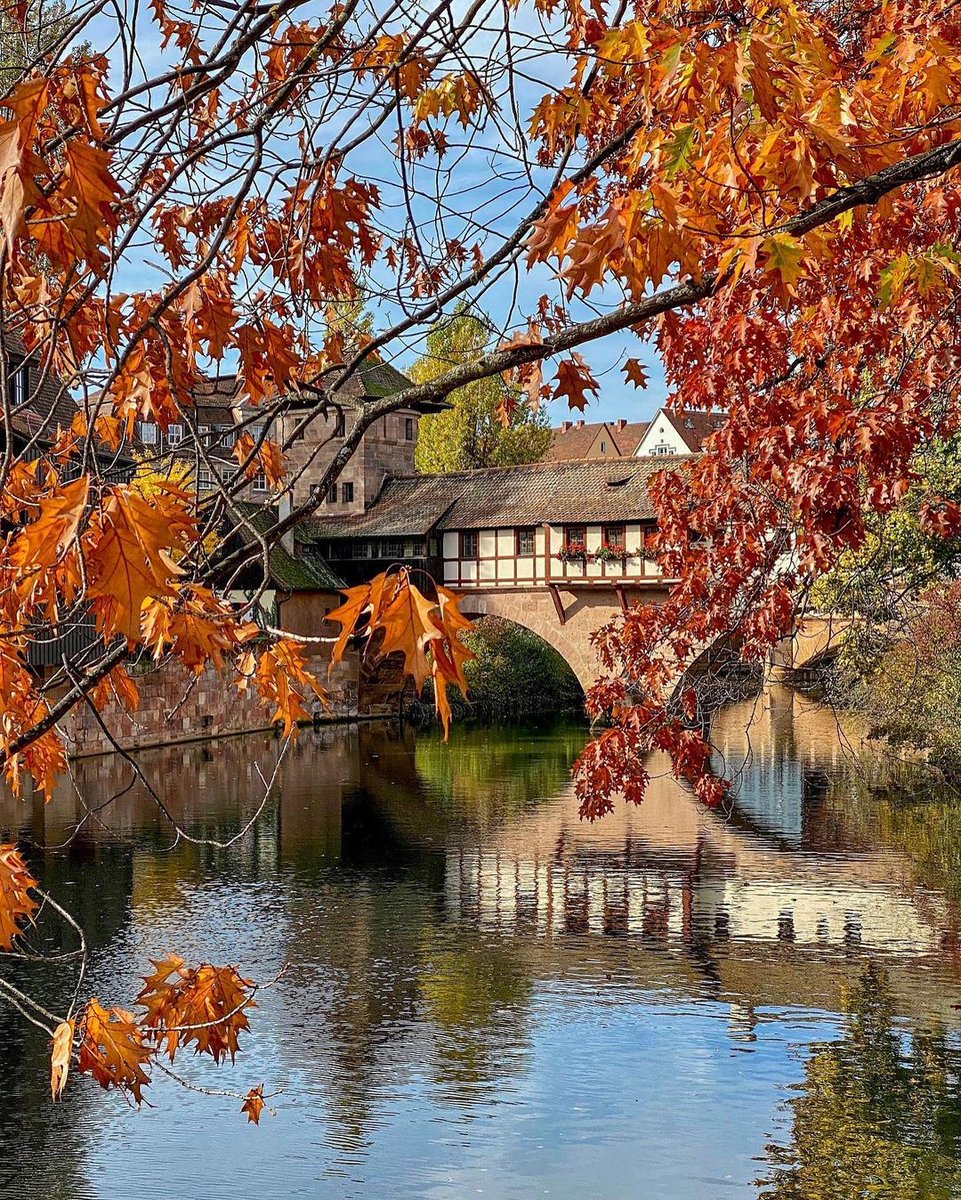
(570, 543)
(525, 531)
(462, 544)
(347, 492)
(18, 381)
(607, 540)
(410, 430)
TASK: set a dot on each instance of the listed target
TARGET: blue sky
(481, 189)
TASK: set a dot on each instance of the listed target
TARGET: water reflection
(488, 995)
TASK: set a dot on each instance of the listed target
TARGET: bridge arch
(565, 621)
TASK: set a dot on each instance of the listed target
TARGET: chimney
(580, 424)
(621, 424)
(565, 425)
(283, 512)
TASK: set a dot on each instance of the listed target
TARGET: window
(340, 424)
(603, 447)
(175, 435)
(524, 543)
(663, 448)
(575, 537)
(394, 549)
(332, 494)
(19, 381)
(410, 431)
(206, 479)
(417, 548)
(347, 493)
(614, 536)
(468, 543)
(260, 482)
(148, 433)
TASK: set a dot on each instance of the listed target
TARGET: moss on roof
(303, 571)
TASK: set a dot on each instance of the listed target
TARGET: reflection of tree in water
(879, 1114)
(55, 1140)
(483, 778)
(476, 995)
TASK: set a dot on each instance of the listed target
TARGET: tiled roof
(628, 436)
(695, 427)
(574, 440)
(589, 491)
(304, 571)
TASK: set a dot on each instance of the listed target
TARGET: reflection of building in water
(774, 749)
(616, 894)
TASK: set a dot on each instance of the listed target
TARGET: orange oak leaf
(129, 561)
(254, 1104)
(44, 539)
(17, 906)
(574, 380)
(205, 1006)
(635, 372)
(392, 615)
(113, 1050)
(60, 1057)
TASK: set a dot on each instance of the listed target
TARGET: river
(485, 996)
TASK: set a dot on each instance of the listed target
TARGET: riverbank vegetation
(900, 664)
(514, 673)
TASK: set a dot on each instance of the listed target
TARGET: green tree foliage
(47, 24)
(879, 1114)
(900, 665)
(471, 433)
(516, 672)
(905, 550)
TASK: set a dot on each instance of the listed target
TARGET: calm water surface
(487, 997)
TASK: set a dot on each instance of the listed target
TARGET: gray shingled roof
(589, 491)
(371, 379)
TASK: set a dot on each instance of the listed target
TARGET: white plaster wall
(505, 541)
(525, 568)
(487, 543)
(450, 545)
(661, 432)
(450, 570)
(488, 568)
(632, 538)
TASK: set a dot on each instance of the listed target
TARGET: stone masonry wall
(178, 707)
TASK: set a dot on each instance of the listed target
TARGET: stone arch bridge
(557, 547)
